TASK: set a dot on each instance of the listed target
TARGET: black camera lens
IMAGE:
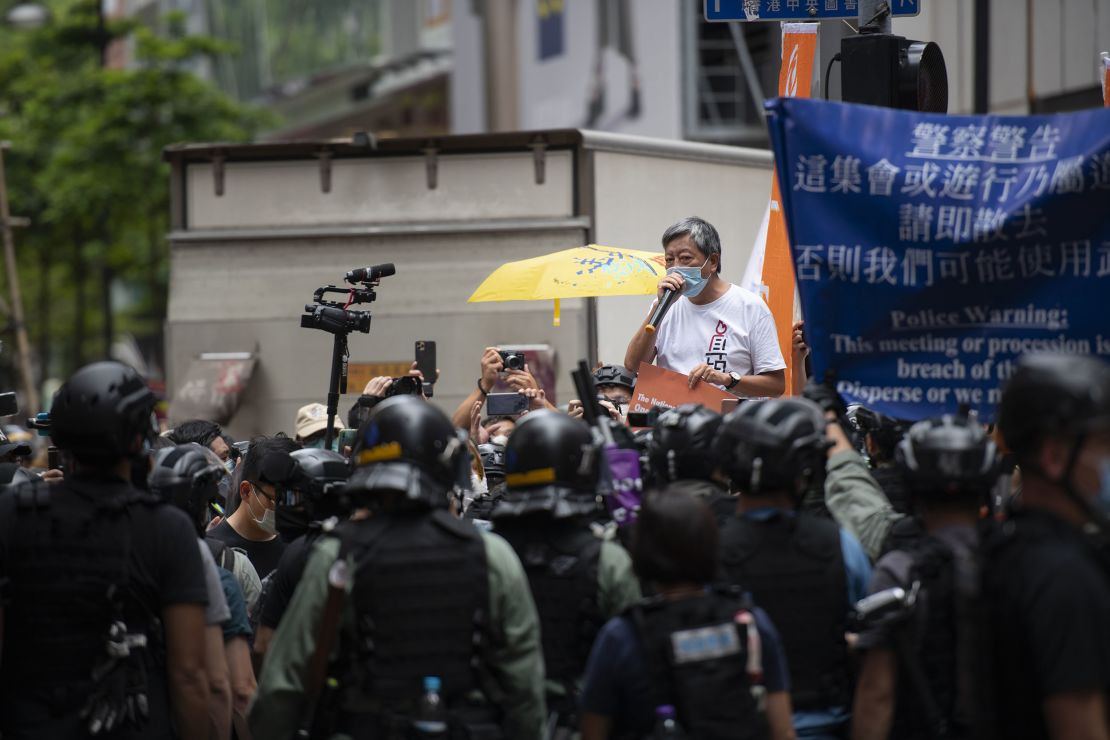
(512, 360)
(407, 386)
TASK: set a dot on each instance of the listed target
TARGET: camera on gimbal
(337, 319)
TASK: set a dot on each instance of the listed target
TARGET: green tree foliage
(85, 165)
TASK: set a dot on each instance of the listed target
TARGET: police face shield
(292, 512)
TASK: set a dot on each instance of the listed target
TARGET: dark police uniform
(74, 558)
(1049, 589)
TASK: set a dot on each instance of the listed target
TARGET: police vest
(793, 567)
(561, 560)
(421, 600)
(69, 579)
(944, 649)
(703, 658)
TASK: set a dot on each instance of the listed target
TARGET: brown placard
(656, 386)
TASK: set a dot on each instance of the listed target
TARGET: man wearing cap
(252, 527)
(312, 422)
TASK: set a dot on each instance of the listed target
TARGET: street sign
(796, 10)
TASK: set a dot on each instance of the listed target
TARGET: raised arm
(642, 346)
(491, 365)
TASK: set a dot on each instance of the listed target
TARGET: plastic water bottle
(431, 715)
(666, 724)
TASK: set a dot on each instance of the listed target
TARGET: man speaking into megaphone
(704, 327)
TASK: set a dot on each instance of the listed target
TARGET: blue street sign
(796, 10)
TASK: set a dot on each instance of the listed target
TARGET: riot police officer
(918, 676)
(681, 454)
(309, 499)
(577, 580)
(188, 476)
(1046, 576)
(412, 595)
(103, 591)
(703, 657)
(803, 569)
(493, 465)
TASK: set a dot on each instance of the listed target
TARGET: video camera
(335, 317)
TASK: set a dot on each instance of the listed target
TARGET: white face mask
(268, 522)
(500, 439)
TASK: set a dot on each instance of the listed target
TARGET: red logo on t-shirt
(715, 356)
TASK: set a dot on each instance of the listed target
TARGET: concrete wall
(229, 296)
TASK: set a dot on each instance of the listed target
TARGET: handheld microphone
(368, 274)
(660, 311)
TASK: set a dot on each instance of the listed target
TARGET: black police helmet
(188, 477)
(948, 456)
(493, 462)
(551, 465)
(410, 446)
(769, 445)
(615, 375)
(100, 411)
(318, 474)
(682, 444)
(1053, 395)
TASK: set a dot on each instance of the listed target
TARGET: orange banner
(799, 48)
(1105, 77)
(656, 386)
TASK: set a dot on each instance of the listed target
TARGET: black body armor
(698, 654)
(421, 599)
(793, 566)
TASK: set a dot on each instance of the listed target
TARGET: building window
(717, 102)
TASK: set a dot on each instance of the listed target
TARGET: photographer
(380, 388)
(615, 385)
(492, 369)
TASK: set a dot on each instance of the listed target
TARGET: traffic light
(894, 72)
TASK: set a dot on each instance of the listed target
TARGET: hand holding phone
(506, 404)
(425, 353)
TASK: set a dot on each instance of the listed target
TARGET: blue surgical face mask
(694, 281)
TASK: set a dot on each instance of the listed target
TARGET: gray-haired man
(715, 332)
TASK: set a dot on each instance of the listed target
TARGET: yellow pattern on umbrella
(581, 272)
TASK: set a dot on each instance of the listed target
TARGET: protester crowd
(794, 568)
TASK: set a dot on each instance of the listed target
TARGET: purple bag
(627, 486)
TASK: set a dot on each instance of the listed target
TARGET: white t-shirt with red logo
(736, 332)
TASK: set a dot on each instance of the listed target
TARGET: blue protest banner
(931, 251)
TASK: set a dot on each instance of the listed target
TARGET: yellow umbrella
(581, 272)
